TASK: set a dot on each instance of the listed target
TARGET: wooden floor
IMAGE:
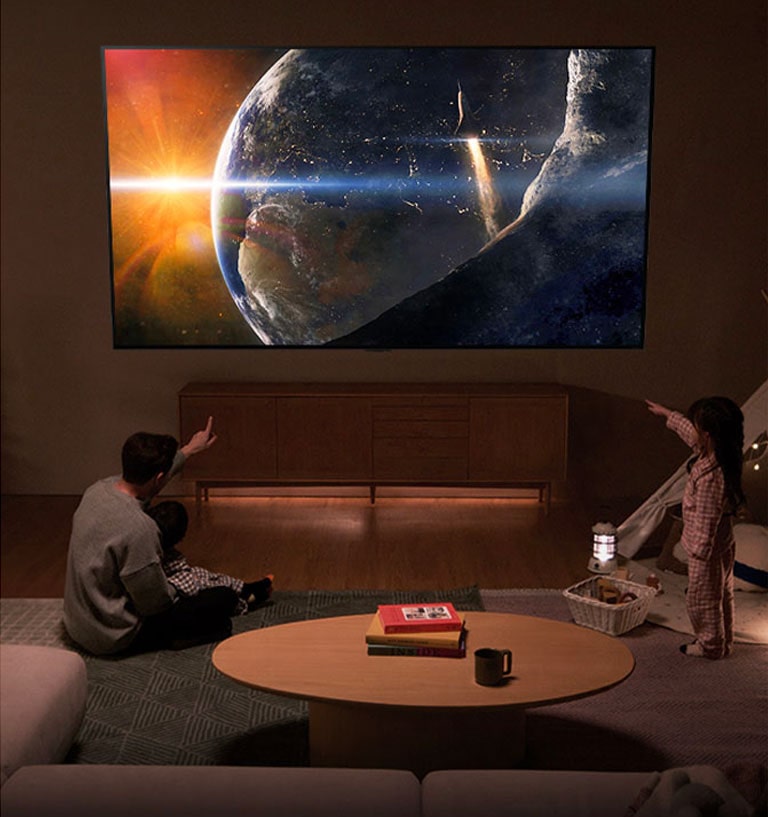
(333, 543)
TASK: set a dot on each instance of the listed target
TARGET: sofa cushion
(524, 793)
(209, 791)
(42, 703)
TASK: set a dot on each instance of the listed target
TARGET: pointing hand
(658, 409)
(200, 440)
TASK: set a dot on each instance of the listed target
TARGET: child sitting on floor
(172, 519)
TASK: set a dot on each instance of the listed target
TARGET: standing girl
(714, 429)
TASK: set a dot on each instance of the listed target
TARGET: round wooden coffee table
(422, 713)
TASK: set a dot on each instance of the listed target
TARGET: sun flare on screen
(163, 146)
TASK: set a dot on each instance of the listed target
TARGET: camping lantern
(603, 548)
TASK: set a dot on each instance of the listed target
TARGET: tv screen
(380, 198)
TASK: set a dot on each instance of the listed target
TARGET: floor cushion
(750, 572)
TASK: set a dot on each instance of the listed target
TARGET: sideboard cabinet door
(518, 438)
(324, 438)
(246, 447)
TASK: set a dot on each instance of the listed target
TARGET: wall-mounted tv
(379, 198)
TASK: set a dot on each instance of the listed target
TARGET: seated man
(116, 594)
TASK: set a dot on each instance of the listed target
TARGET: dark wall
(69, 399)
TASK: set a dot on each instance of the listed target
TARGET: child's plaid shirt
(189, 579)
(705, 526)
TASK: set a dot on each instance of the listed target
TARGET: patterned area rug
(175, 708)
(673, 710)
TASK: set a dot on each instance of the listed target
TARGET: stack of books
(434, 630)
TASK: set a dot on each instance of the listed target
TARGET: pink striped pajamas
(708, 541)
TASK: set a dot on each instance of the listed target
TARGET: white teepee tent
(635, 530)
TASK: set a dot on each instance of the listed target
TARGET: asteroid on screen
(376, 197)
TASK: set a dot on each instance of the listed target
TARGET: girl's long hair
(723, 420)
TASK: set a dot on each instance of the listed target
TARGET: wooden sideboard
(376, 434)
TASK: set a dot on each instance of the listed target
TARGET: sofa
(42, 702)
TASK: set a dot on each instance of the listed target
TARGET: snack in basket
(607, 592)
(626, 597)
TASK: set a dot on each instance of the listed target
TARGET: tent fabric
(636, 528)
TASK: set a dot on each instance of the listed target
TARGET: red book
(414, 618)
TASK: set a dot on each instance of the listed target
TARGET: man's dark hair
(147, 455)
(171, 519)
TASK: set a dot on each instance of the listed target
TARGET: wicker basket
(613, 619)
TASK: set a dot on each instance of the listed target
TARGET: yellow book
(375, 635)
